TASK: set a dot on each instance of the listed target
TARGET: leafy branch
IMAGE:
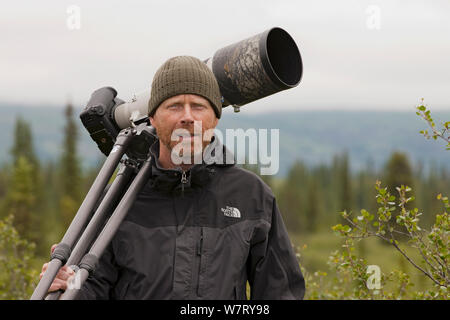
(442, 133)
(432, 245)
(393, 218)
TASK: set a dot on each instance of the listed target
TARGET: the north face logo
(231, 212)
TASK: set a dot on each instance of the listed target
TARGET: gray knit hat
(184, 75)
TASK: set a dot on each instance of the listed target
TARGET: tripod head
(98, 117)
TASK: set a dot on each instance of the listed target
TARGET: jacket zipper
(199, 254)
(183, 182)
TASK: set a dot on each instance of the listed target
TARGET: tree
(70, 171)
(26, 179)
(20, 199)
(4, 177)
(23, 143)
(343, 183)
(313, 207)
(17, 275)
(292, 198)
(325, 178)
(23, 147)
(398, 172)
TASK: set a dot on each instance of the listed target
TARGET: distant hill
(311, 136)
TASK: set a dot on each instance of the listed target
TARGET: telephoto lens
(257, 67)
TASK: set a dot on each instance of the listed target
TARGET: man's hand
(61, 279)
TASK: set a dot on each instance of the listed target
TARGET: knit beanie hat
(184, 75)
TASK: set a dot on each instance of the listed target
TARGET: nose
(187, 118)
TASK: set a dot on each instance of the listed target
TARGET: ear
(152, 121)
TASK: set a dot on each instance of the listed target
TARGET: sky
(357, 55)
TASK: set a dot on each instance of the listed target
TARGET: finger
(58, 284)
(65, 269)
(63, 284)
(53, 248)
(63, 274)
(68, 269)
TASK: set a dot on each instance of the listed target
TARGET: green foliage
(292, 198)
(23, 143)
(351, 280)
(443, 132)
(398, 171)
(24, 186)
(20, 198)
(18, 278)
(70, 172)
(342, 171)
(313, 206)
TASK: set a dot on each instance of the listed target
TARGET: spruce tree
(23, 143)
(313, 205)
(20, 199)
(4, 176)
(343, 183)
(346, 184)
(292, 200)
(23, 147)
(24, 196)
(398, 172)
(70, 171)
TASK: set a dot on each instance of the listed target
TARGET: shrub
(17, 277)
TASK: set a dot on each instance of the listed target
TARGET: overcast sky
(382, 55)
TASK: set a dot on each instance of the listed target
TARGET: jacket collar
(176, 180)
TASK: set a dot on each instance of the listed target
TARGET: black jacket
(202, 239)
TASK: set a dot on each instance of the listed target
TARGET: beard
(186, 143)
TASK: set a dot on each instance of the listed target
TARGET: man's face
(184, 119)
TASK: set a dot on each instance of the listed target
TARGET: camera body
(98, 118)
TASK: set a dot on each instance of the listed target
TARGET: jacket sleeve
(273, 269)
(100, 285)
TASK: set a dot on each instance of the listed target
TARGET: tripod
(85, 226)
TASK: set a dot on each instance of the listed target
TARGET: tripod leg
(62, 251)
(89, 261)
(115, 192)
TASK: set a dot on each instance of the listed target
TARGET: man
(198, 229)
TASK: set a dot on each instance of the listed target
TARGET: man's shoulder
(244, 180)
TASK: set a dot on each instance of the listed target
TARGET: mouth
(188, 137)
